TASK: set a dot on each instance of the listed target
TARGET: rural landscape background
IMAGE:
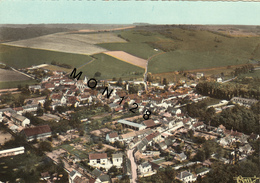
(123, 50)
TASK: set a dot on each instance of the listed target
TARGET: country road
(22, 73)
(133, 165)
(146, 68)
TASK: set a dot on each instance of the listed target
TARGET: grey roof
(18, 117)
(112, 105)
(183, 174)
(72, 173)
(96, 172)
(182, 155)
(143, 143)
(30, 106)
(145, 164)
(7, 109)
(118, 155)
(104, 178)
(130, 123)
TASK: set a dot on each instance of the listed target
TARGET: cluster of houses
(164, 133)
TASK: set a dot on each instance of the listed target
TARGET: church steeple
(85, 81)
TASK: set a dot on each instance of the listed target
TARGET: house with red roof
(112, 137)
(37, 132)
(98, 158)
(150, 123)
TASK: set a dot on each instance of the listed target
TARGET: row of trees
(244, 69)
(227, 91)
(61, 65)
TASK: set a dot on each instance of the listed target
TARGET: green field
(110, 67)
(137, 43)
(25, 57)
(185, 50)
(14, 84)
(194, 49)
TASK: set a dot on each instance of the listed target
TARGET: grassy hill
(187, 49)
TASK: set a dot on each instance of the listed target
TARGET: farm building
(20, 120)
(12, 152)
(131, 125)
(37, 132)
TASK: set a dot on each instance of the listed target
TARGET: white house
(103, 179)
(98, 158)
(117, 159)
(12, 152)
(185, 176)
(181, 156)
(112, 137)
(75, 177)
(20, 120)
(219, 80)
(145, 168)
(30, 108)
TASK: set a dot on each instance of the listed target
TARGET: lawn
(110, 67)
(25, 57)
(72, 150)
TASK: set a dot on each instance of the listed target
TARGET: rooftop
(130, 123)
(98, 156)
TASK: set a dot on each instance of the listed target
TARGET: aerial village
(120, 131)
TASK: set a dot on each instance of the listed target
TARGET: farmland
(14, 84)
(9, 75)
(185, 49)
(25, 57)
(69, 43)
(127, 58)
(110, 67)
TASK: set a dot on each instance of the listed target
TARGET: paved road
(133, 165)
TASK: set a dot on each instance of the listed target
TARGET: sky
(128, 12)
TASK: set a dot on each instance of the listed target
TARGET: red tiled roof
(149, 123)
(198, 124)
(152, 135)
(118, 109)
(49, 85)
(113, 135)
(37, 130)
(98, 156)
(18, 109)
(56, 96)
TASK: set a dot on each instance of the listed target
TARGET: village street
(133, 165)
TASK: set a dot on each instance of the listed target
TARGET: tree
(45, 146)
(107, 108)
(39, 112)
(165, 81)
(126, 106)
(97, 74)
(119, 82)
(100, 145)
(47, 105)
